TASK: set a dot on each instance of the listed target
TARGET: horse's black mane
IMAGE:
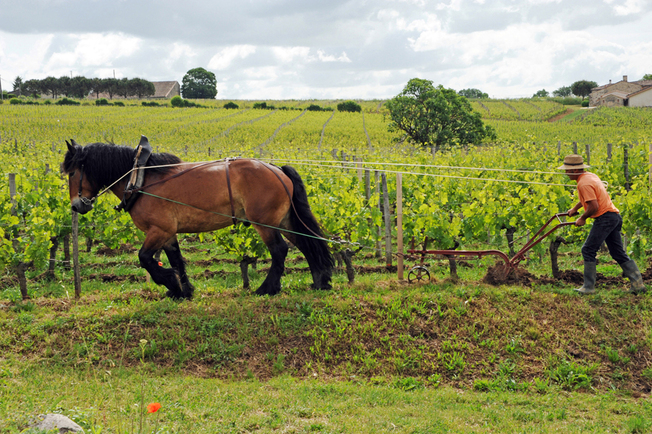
(104, 163)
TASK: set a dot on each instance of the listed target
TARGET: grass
(434, 357)
(109, 401)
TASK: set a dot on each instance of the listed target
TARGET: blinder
(82, 204)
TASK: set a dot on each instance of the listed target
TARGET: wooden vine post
(75, 253)
(650, 166)
(20, 267)
(399, 225)
(387, 218)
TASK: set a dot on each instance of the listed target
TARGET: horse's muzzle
(81, 206)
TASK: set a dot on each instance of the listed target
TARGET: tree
(65, 85)
(111, 86)
(349, 106)
(141, 87)
(98, 86)
(541, 94)
(583, 88)
(647, 77)
(473, 93)
(50, 85)
(32, 87)
(436, 117)
(123, 88)
(563, 91)
(80, 87)
(18, 82)
(199, 83)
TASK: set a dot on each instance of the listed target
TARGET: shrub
(349, 106)
(260, 105)
(231, 105)
(47, 102)
(585, 103)
(119, 103)
(15, 101)
(102, 101)
(150, 104)
(176, 101)
(66, 101)
(314, 108)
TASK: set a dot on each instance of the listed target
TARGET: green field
(455, 354)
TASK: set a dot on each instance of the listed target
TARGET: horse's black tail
(303, 221)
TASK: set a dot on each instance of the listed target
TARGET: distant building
(166, 89)
(162, 89)
(622, 94)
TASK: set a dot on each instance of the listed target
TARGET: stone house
(166, 89)
(622, 94)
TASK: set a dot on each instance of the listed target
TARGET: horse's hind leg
(279, 250)
(177, 262)
(155, 241)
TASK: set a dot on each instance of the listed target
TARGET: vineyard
(494, 196)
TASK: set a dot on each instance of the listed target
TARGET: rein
(228, 183)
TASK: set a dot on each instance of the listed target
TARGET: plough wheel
(418, 273)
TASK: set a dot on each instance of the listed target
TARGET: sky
(335, 49)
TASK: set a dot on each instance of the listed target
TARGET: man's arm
(591, 209)
(575, 209)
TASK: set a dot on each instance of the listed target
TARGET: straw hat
(573, 161)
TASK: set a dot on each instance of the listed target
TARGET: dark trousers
(606, 228)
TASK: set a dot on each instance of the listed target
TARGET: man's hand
(580, 221)
(572, 212)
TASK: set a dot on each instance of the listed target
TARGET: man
(597, 204)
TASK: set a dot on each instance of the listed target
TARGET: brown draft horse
(197, 199)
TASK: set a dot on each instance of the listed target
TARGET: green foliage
(583, 88)
(15, 101)
(102, 101)
(199, 83)
(585, 103)
(177, 101)
(231, 105)
(66, 101)
(563, 92)
(572, 375)
(473, 94)
(436, 117)
(150, 104)
(349, 106)
(541, 94)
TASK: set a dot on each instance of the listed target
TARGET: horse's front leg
(155, 240)
(177, 262)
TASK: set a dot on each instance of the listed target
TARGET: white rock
(53, 421)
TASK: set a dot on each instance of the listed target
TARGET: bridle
(84, 200)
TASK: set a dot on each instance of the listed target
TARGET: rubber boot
(589, 279)
(630, 270)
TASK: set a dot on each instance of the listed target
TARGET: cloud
(226, 56)
(341, 48)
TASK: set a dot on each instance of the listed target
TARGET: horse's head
(82, 192)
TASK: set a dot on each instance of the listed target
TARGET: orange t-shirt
(589, 187)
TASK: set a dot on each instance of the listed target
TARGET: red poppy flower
(153, 407)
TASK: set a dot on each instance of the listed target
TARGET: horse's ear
(73, 142)
(71, 149)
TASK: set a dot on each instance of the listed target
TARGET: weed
(647, 373)
(453, 362)
(541, 385)
(408, 384)
(571, 375)
(514, 345)
(615, 358)
(638, 425)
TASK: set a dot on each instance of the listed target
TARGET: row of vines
(463, 198)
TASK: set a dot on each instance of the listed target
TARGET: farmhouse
(166, 89)
(622, 94)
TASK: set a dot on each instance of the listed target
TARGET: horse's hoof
(267, 290)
